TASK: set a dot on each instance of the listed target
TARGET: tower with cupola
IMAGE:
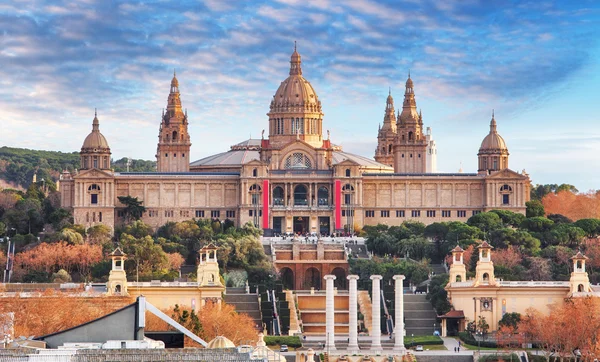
(384, 153)
(173, 151)
(493, 153)
(410, 148)
(484, 271)
(579, 281)
(458, 270)
(117, 278)
(95, 152)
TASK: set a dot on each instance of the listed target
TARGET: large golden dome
(295, 93)
(95, 141)
(493, 142)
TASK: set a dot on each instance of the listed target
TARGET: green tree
(62, 276)
(133, 207)
(436, 231)
(535, 208)
(71, 236)
(510, 218)
(2, 229)
(511, 320)
(458, 231)
(591, 227)
(138, 229)
(537, 224)
(485, 221)
(560, 219)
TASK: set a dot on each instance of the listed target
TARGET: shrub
(290, 341)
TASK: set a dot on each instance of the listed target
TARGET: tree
(511, 320)
(133, 207)
(560, 219)
(510, 218)
(534, 208)
(485, 221)
(483, 325)
(223, 320)
(61, 276)
(99, 234)
(436, 231)
(591, 227)
(537, 224)
(508, 258)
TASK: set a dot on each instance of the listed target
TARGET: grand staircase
(419, 316)
(245, 303)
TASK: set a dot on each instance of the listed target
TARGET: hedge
(422, 340)
(467, 338)
(290, 341)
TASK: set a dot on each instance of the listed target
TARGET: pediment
(94, 174)
(298, 145)
(254, 162)
(506, 174)
(347, 162)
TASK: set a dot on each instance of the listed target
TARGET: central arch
(300, 195)
(312, 278)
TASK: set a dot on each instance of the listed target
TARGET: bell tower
(484, 272)
(173, 151)
(208, 267)
(579, 282)
(410, 149)
(458, 270)
(117, 278)
(384, 153)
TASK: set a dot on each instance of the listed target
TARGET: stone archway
(340, 278)
(287, 278)
(312, 278)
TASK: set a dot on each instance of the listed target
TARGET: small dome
(174, 81)
(220, 342)
(95, 140)
(493, 142)
(409, 82)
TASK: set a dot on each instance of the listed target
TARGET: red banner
(338, 204)
(265, 204)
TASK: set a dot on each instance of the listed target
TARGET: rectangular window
(475, 212)
(120, 213)
(347, 199)
(215, 214)
(446, 213)
(430, 213)
(199, 213)
(94, 199)
(461, 213)
(385, 213)
(100, 216)
(415, 213)
(399, 213)
(184, 213)
(230, 213)
(370, 213)
(505, 200)
(347, 212)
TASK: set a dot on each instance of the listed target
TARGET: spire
(493, 124)
(295, 62)
(95, 122)
(174, 102)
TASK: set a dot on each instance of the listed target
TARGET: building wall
(166, 297)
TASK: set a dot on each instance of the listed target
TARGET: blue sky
(536, 63)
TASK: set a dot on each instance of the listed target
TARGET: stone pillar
(376, 314)
(399, 314)
(353, 320)
(329, 314)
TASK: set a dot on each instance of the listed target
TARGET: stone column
(399, 314)
(329, 314)
(376, 314)
(353, 322)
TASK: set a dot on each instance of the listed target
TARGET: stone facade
(295, 180)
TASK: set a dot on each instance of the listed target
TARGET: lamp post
(412, 344)
(478, 333)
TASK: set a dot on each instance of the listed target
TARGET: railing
(162, 284)
(533, 284)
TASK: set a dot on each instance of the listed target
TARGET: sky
(535, 63)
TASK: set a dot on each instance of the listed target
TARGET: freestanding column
(376, 314)
(329, 314)
(353, 327)
(399, 314)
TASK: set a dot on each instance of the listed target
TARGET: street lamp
(478, 333)
(413, 339)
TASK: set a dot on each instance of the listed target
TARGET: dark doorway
(324, 226)
(340, 278)
(300, 224)
(287, 278)
(277, 224)
(312, 278)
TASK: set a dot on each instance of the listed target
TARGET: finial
(294, 45)
(262, 134)
(174, 74)
(390, 91)
(409, 74)
(492, 113)
(95, 112)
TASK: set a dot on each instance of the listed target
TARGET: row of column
(375, 311)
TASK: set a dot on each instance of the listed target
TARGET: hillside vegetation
(17, 165)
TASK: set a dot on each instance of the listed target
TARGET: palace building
(296, 179)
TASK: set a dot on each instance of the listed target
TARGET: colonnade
(375, 317)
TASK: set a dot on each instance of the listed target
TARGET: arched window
(505, 191)
(300, 195)
(347, 172)
(254, 172)
(94, 190)
(174, 136)
(486, 277)
(95, 161)
(323, 196)
(458, 279)
(410, 136)
(298, 160)
(390, 148)
(118, 289)
(278, 196)
(255, 193)
(580, 288)
(348, 190)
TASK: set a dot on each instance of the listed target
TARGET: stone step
(236, 298)
(418, 314)
(445, 358)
